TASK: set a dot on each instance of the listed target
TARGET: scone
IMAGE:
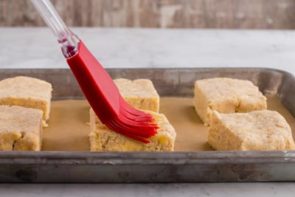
(257, 130)
(104, 139)
(139, 93)
(226, 95)
(27, 92)
(20, 128)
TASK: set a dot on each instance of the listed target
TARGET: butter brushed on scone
(256, 130)
(226, 95)
(27, 92)
(139, 93)
(104, 139)
(20, 128)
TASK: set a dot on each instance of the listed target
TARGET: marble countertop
(150, 190)
(37, 48)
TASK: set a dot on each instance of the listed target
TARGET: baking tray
(114, 167)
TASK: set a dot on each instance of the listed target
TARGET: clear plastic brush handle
(68, 41)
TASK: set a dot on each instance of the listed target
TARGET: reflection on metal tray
(209, 166)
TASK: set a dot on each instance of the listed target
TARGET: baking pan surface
(68, 126)
(193, 160)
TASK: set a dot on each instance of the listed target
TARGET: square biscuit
(226, 95)
(256, 130)
(20, 128)
(139, 93)
(103, 139)
(26, 92)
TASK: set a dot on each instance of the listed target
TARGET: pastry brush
(96, 84)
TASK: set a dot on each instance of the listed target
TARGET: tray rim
(148, 158)
(167, 68)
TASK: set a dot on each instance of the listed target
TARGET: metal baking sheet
(202, 166)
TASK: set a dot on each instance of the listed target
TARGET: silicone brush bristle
(133, 123)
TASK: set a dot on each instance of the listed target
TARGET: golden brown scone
(256, 130)
(20, 128)
(139, 93)
(104, 139)
(226, 95)
(27, 92)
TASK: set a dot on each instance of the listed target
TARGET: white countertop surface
(36, 48)
(150, 190)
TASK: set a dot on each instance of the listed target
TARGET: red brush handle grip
(105, 99)
(85, 68)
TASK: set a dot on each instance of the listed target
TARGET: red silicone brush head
(105, 99)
